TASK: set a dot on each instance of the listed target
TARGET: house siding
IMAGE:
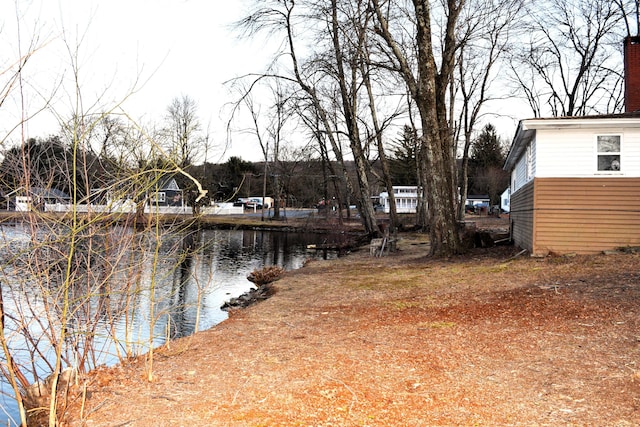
(522, 217)
(584, 215)
(572, 152)
(524, 171)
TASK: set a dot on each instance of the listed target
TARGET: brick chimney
(632, 74)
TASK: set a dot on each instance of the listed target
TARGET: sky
(163, 48)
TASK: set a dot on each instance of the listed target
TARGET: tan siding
(521, 214)
(586, 215)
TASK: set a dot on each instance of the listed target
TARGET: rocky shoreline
(250, 297)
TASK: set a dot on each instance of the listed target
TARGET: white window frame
(608, 153)
(529, 175)
(159, 197)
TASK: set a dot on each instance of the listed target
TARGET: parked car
(253, 204)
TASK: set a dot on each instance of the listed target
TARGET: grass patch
(436, 325)
(492, 268)
(403, 305)
(384, 279)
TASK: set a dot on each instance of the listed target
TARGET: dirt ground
(404, 340)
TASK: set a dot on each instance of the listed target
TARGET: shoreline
(402, 340)
(311, 222)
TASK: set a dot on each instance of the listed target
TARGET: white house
(505, 198)
(575, 183)
(406, 199)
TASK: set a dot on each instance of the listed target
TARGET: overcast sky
(170, 47)
(164, 48)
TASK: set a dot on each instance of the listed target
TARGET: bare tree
(369, 70)
(631, 11)
(349, 52)
(330, 79)
(486, 35)
(281, 115)
(569, 63)
(331, 176)
(69, 272)
(268, 128)
(428, 85)
(184, 130)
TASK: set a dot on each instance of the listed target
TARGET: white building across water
(406, 199)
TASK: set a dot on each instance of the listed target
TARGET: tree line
(299, 182)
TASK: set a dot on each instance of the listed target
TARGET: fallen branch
(522, 252)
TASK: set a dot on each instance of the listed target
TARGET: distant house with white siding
(37, 198)
(575, 183)
(406, 199)
(505, 198)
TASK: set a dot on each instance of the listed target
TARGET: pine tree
(486, 175)
(487, 149)
(404, 169)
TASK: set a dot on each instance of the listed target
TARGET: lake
(129, 291)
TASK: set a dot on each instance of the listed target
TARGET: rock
(248, 298)
(611, 252)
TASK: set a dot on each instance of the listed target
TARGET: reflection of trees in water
(109, 272)
(207, 257)
(272, 247)
(179, 325)
(108, 279)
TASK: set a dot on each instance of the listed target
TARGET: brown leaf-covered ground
(404, 340)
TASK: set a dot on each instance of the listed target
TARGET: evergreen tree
(238, 175)
(403, 166)
(487, 149)
(486, 175)
(43, 163)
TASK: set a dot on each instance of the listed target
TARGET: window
(529, 163)
(608, 152)
(159, 197)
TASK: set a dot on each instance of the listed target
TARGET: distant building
(478, 200)
(36, 198)
(406, 199)
(167, 193)
(505, 200)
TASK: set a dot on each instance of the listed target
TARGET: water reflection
(213, 268)
(132, 292)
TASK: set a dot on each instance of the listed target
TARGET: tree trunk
(386, 173)
(348, 97)
(430, 98)
(422, 209)
(464, 188)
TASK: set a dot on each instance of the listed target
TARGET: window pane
(609, 163)
(608, 143)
